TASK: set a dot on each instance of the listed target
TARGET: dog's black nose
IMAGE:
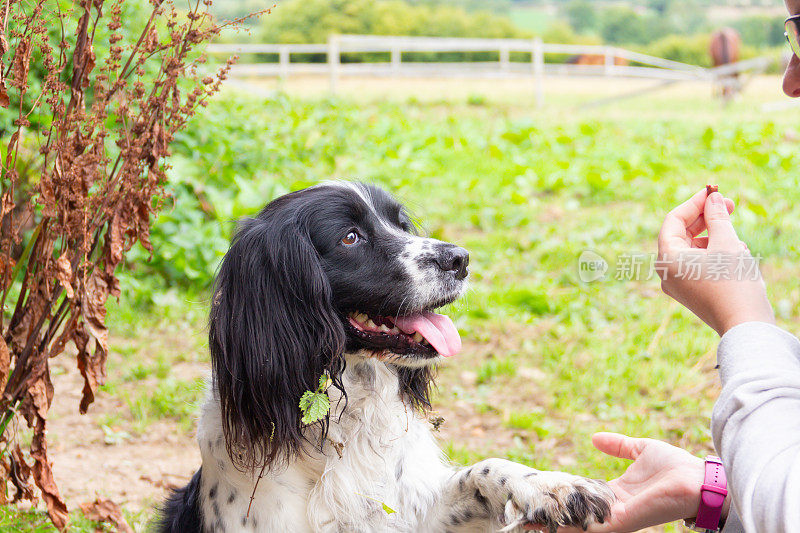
(454, 259)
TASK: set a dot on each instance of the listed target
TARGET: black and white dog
(333, 280)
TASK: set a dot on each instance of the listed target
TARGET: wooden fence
(529, 60)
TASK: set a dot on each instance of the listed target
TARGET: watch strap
(712, 495)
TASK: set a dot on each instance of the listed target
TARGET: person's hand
(660, 486)
(715, 277)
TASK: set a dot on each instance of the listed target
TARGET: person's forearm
(755, 425)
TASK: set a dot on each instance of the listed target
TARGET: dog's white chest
(378, 456)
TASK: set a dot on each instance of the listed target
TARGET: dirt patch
(135, 472)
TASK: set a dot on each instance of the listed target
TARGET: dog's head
(385, 280)
(320, 272)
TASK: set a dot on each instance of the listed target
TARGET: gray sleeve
(733, 524)
(756, 425)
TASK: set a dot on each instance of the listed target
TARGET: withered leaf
(47, 195)
(7, 203)
(40, 398)
(93, 308)
(152, 38)
(22, 62)
(88, 66)
(159, 141)
(43, 475)
(20, 474)
(5, 362)
(105, 510)
(30, 314)
(64, 337)
(93, 370)
(114, 242)
(7, 265)
(64, 274)
(91, 366)
(12, 145)
(143, 215)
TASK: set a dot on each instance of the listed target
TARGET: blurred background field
(548, 359)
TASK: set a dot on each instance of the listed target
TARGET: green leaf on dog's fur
(386, 508)
(314, 405)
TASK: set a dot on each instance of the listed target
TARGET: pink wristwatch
(712, 497)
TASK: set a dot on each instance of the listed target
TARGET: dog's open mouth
(425, 333)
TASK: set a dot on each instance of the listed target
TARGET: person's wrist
(762, 314)
(694, 479)
(726, 507)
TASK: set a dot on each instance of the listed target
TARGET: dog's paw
(554, 499)
(524, 496)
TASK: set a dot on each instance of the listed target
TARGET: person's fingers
(692, 208)
(614, 523)
(618, 445)
(699, 225)
(700, 242)
(679, 219)
(631, 515)
(720, 230)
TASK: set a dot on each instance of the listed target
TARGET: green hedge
(312, 21)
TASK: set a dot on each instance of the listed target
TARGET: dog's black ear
(273, 332)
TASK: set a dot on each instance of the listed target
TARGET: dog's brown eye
(350, 239)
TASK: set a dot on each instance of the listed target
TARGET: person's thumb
(618, 445)
(721, 234)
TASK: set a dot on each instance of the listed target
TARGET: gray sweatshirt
(756, 427)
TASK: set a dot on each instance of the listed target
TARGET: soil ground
(134, 473)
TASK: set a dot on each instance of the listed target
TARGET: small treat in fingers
(711, 188)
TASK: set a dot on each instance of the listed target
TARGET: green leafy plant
(315, 405)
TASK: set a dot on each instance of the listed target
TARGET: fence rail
(609, 60)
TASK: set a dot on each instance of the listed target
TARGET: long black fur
(180, 513)
(273, 332)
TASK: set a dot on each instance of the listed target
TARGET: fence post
(285, 59)
(608, 70)
(537, 59)
(504, 58)
(397, 58)
(333, 61)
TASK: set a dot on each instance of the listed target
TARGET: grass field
(548, 359)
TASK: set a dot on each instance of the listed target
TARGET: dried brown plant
(106, 112)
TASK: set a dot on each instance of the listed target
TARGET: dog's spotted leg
(506, 496)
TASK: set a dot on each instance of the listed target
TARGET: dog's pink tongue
(438, 330)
